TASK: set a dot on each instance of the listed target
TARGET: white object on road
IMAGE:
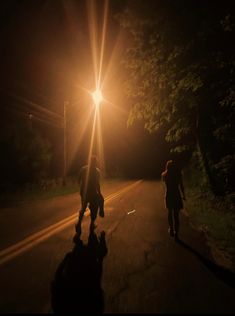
(130, 212)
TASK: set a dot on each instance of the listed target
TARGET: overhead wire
(37, 111)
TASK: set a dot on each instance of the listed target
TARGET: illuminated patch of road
(113, 227)
(31, 241)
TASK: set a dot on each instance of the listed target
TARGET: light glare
(97, 97)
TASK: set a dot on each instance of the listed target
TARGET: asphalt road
(135, 267)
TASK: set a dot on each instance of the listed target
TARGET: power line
(36, 106)
(31, 89)
(34, 117)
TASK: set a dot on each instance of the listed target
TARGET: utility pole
(65, 143)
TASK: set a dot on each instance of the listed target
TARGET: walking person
(89, 180)
(174, 195)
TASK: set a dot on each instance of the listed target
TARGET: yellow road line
(114, 195)
(31, 241)
(118, 193)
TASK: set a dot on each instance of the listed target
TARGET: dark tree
(180, 62)
(25, 156)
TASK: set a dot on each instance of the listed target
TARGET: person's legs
(80, 217)
(176, 222)
(94, 210)
(170, 222)
(101, 205)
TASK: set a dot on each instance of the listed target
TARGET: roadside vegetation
(214, 215)
(43, 189)
(46, 189)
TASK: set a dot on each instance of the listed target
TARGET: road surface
(140, 268)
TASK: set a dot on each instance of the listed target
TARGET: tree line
(180, 64)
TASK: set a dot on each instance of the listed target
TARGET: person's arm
(181, 185)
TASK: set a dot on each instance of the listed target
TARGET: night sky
(46, 58)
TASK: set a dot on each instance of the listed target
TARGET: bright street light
(97, 97)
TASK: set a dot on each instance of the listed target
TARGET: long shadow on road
(76, 286)
(225, 275)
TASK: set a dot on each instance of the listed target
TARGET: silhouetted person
(89, 180)
(76, 287)
(173, 201)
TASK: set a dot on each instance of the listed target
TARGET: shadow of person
(77, 283)
(225, 275)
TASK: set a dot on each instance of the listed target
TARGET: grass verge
(46, 190)
(216, 218)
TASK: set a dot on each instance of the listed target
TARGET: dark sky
(46, 58)
(46, 45)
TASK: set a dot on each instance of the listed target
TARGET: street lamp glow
(97, 97)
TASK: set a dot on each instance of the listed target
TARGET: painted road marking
(116, 194)
(31, 241)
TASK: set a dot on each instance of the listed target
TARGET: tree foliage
(25, 156)
(180, 63)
